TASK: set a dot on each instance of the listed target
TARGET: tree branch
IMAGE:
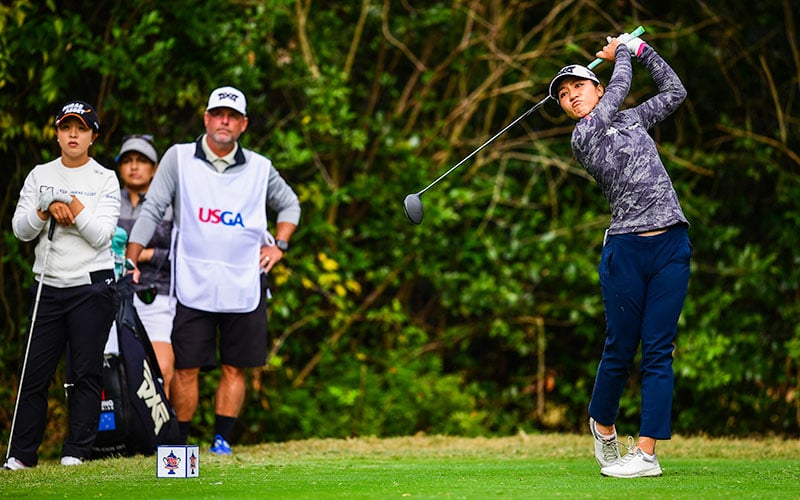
(301, 9)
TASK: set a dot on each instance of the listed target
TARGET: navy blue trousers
(644, 282)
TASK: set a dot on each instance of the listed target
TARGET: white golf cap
(227, 97)
(571, 71)
(139, 143)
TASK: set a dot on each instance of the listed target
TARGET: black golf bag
(135, 416)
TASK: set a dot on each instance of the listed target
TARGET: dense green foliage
(486, 318)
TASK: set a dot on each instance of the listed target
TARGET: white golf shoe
(606, 448)
(71, 461)
(14, 464)
(633, 464)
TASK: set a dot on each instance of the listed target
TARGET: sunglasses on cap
(146, 293)
(147, 137)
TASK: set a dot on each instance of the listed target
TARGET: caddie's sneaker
(220, 446)
(606, 449)
(14, 464)
(71, 461)
(633, 464)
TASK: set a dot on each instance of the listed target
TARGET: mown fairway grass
(540, 466)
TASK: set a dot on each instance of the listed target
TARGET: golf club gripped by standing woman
(644, 268)
(73, 306)
(219, 192)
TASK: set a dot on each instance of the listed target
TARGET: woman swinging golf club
(74, 303)
(644, 269)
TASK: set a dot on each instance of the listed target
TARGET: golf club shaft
(480, 148)
(35, 311)
(638, 31)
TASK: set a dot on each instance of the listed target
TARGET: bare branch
(351, 54)
(301, 10)
(394, 41)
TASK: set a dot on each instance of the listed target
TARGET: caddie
(220, 193)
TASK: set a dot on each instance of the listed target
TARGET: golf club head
(412, 206)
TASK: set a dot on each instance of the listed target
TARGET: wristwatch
(283, 245)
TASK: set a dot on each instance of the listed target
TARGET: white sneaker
(606, 449)
(71, 461)
(633, 464)
(14, 464)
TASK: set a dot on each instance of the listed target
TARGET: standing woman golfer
(76, 305)
(644, 269)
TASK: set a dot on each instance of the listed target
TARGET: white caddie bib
(219, 233)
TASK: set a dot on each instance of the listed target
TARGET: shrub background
(487, 317)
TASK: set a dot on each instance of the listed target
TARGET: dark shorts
(242, 341)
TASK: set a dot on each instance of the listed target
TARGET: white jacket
(86, 246)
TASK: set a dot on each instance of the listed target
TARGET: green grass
(541, 466)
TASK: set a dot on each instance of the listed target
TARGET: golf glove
(634, 43)
(48, 196)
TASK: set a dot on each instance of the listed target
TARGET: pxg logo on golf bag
(216, 216)
(152, 399)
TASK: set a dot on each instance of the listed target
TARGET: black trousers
(74, 320)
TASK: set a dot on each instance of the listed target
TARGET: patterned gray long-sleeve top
(615, 148)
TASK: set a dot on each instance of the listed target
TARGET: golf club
(412, 204)
(50, 232)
